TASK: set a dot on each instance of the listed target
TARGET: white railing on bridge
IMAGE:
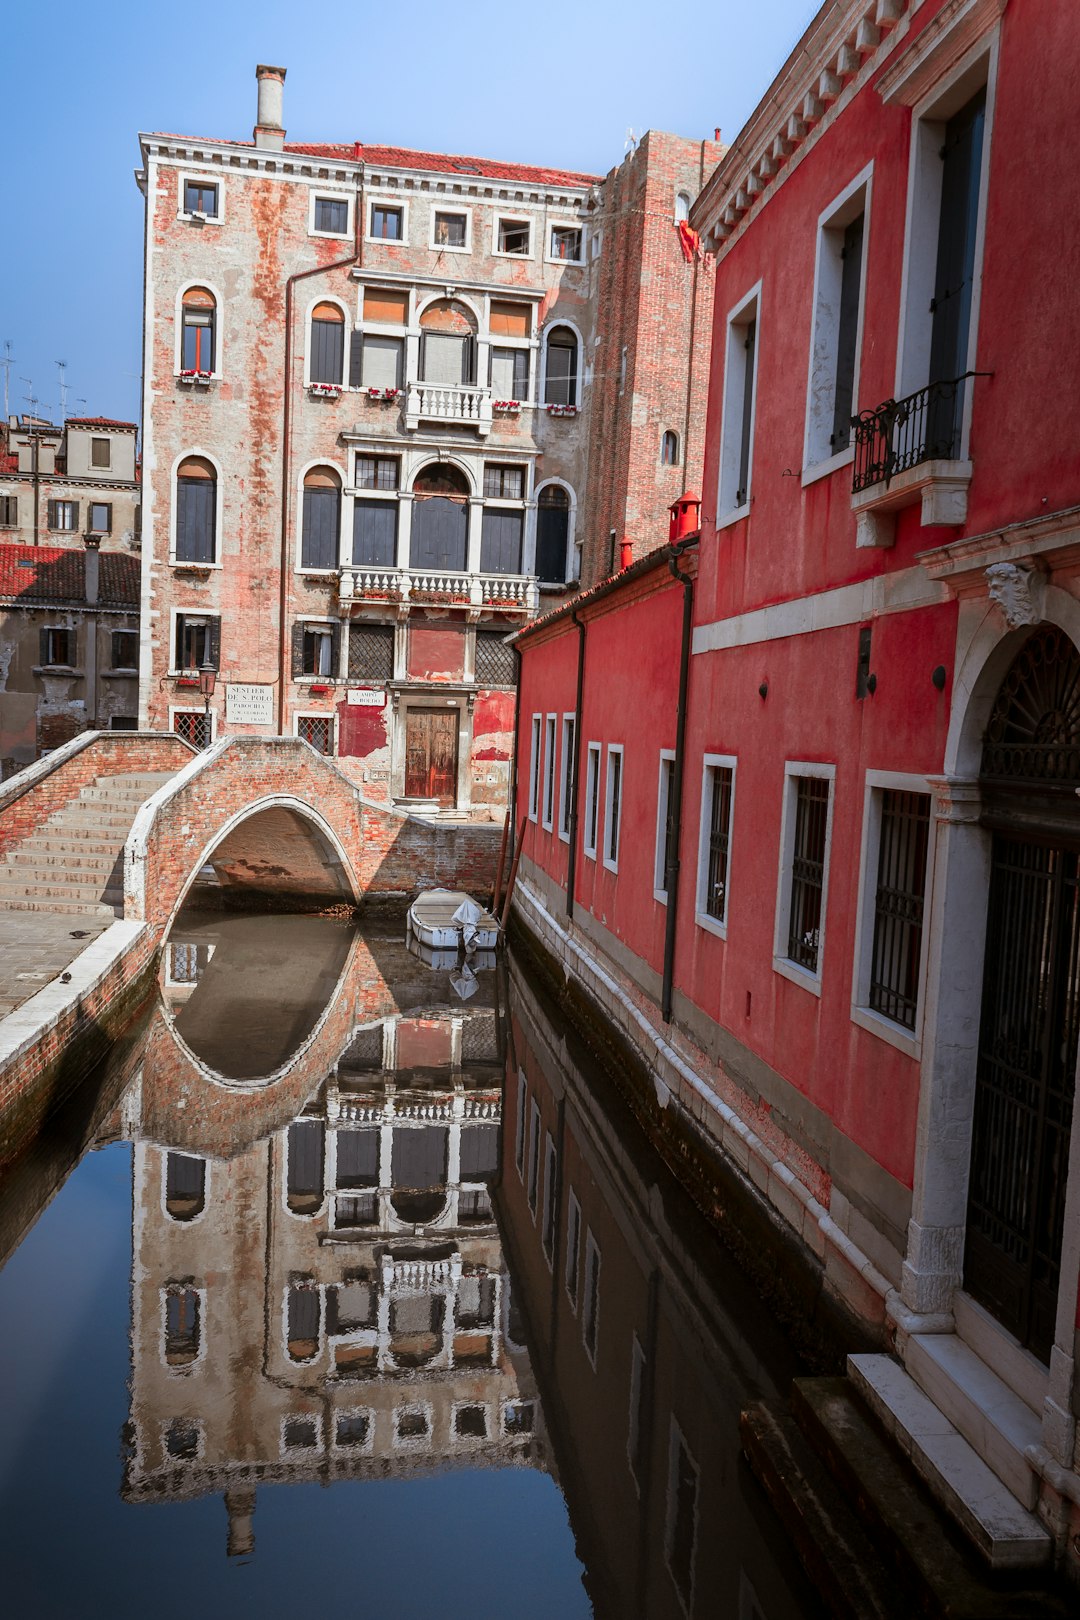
(445, 402)
(518, 592)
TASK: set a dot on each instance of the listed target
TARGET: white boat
(445, 919)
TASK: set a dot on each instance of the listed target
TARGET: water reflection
(344, 1270)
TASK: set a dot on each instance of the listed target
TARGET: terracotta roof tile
(57, 574)
(100, 421)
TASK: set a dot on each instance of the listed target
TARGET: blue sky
(557, 84)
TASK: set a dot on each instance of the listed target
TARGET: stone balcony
(457, 406)
(514, 593)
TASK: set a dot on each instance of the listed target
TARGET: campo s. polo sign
(366, 697)
(249, 705)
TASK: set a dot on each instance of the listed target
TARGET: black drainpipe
(671, 870)
(571, 861)
(513, 783)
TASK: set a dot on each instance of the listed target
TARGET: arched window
(669, 449)
(447, 344)
(682, 207)
(561, 375)
(440, 518)
(198, 313)
(327, 344)
(552, 532)
(185, 1186)
(304, 1186)
(322, 519)
(196, 511)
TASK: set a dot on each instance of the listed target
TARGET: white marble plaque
(249, 705)
(368, 697)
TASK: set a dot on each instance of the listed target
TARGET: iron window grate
(898, 905)
(371, 653)
(719, 839)
(808, 871)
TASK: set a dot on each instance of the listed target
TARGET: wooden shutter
(375, 534)
(440, 529)
(552, 526)
(298, 648)
(215, 642)
(43, 646)
(356, 359)
(469, 362)
(500, 542)
(195, 520)
(50, 515)
(335, 649)
(327, 350)
(742, 494)
(321, 525)
(850, 281)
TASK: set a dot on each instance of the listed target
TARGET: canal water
(346, 1284)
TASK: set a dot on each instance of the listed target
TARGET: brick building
(60, 486)
(829, 883)
(370, 381)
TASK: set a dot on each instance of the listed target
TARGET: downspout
(671, 869)
(571, 862)
(37, 485)
(286, 423)
(514, 765)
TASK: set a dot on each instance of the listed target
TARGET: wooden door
(431, 752)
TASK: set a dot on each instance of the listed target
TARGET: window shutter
(335, 650)
(297, 649)
(356, 359)
(215, 643)
(468, 361)
(521, 374)
(43, 647)
(375, 534)
(51, 514)
(423, 355)
(321, 521)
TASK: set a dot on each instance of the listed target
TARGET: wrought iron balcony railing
(904, 433)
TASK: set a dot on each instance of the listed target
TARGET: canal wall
(735, 1161)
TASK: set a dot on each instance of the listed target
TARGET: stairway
(74, 862)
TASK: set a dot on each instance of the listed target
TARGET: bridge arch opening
(278, 851)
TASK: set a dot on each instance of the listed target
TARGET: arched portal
(1030, 1016)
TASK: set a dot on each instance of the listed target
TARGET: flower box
(324, 390)
(200, 379)
(187, 680)
(383, 396)
(561, 410)
(509, 407)
(319, 688)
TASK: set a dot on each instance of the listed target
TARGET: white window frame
(448, 247)
(547, 820)
(591, 1248)
(535, 745)
(592, 798)
(343, 382)
(952, 91)
(610, 861)
(391, 201)
(549, 1218)
(520, 1131)
(183, 176)
(174, 1220)
(318, 714)
(566, 774)
(541, 386)
(532, 1179)
(344, 513)
(677, 1439)
(782, 963)
(175, 615)
(328, 194)
(667, 756)
(709, 764)
(295, 1453)
(198, 1289)
(197, 453)
(561, 225)
(818, 459)
(368, 1446)
(738, 319)
(509, 217)
(573, 1250)
(867, 1017)
(178, 326)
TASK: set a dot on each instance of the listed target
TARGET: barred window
(195, 726)
(592, 799)
(716, 827)
(495, 661)
(566, 789)
(898, 905)
(666, 831)
(371, 653)
(808, 871)
(613, 809)
(318, 730)
(549, 771)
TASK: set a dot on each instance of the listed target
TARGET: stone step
(133, 796)
(148, 779)
(68, 823)
(834, 1548)
(64, 908)
(925, 1549)
(81, 860)
(22, 888)
(44, 847)
(1003, 1530)
(987, 1413)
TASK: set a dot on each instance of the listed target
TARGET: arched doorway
(1030, 1018)
(440, 519)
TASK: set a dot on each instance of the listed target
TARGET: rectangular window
(513, 236)
(901, 825)
(451, 230)
(318, 730)
(377, 362)
(573, 1246)
(509, 319)
(834, 348)
(386, 223)
(332, 215)
(806, 826)
(590, 1313)
(378, 472)
(197, 641)
(58, 647)
(714, 850)
(388, 305)
(64, 516)
(125, 649)
(666, 840)
(613, 806)
(371, 654)
(194, 725)
(101, 517)
(123, 722)
(566, 243)
(566, 776)
(534, 769)
(737, 427)
(549, 772)
(375, 525)
(635, 1435)
(592, 800)
(494, 663)
(100, 453)
(519, 1134)
(510, 373)
(534, 1157)
(318, 652)
(9, 511)
(504, 483)
(200, 198)
(551, 1187)
(680, 1536)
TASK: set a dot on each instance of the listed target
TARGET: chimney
(268, 130)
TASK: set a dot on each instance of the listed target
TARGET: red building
(838, 908)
